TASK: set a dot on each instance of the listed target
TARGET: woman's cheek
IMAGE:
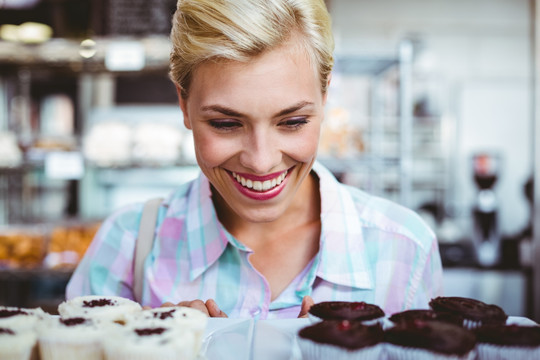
(213, 151)
(306, 146)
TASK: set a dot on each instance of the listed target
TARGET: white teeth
(257, 185)
(267, 184)
(260, 185)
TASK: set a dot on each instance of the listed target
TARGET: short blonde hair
(238, 30)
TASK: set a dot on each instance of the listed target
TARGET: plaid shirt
(371, 250)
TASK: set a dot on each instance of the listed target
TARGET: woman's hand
(307, 303)
(209, 307)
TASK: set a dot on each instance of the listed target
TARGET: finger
(167, 304)
(195, 304)
(307, 303)
(214, 310)
(146, 307)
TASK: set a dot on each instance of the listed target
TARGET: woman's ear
(183, 106)
(325, 95)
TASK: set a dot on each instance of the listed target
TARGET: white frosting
(184, 317)
(112, 308)
(20, 318)
(149, 343)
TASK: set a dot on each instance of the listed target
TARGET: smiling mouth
(260, 185)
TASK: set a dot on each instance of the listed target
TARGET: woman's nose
(260, 152)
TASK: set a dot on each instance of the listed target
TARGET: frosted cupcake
(181, 317)
(72, 338)
(17, 344)
(21, 318)
(426, 340)
(149, 343)
(424, 315)
(369, 314)
(100, 307)
(475, 313)
(508, 342)
(340, 339)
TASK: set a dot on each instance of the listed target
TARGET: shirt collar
(341, 259)
(342, 254)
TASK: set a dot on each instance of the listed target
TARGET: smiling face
(256, 129)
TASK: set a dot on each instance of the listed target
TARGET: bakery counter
(114, 327)
(36, 261)
(246, 339)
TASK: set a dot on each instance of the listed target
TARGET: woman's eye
(294, 123)
(226, 125)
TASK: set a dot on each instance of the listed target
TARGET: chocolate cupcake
(424, 315)
(508, 342)
(430, 339)
(475, 313)
(341, 339)
(344, 310)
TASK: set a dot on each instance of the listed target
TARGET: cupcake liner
(131, 344)
(61, 339)
(151, 354)
(316, 351)
(500, 352)
(18, 354)
(18, 346)
(61, 351)
(395, 352)
(471, 324)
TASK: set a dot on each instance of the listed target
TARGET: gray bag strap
(145, 239)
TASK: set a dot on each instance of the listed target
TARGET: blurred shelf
(33, 273)
(128, 176)
(365, 65)
(65, 54)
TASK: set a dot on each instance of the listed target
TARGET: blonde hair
(238, 30)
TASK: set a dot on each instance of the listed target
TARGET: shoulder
(390, 217)
(382, 218)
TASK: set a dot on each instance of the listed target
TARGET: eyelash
(224, 125)
(230, 125)
(295, 123)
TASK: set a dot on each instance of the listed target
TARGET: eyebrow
(231, 112)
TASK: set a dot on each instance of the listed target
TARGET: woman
(265, 230)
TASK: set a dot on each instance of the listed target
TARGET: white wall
(477, 53)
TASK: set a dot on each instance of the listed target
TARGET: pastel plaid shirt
(370, 250)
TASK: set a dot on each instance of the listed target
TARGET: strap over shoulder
(145, 239)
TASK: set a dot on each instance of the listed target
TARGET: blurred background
(433, 104)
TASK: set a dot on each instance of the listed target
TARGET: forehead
(285, 70)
